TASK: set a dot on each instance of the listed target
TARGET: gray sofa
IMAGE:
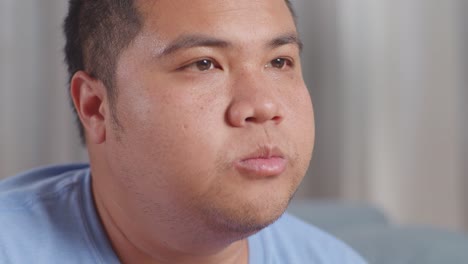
(370, 233)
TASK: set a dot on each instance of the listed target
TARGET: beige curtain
(463, 102)
(388, 81)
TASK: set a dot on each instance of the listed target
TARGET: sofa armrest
(368, 231)
(333, 216)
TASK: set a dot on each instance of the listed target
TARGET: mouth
(262, 163)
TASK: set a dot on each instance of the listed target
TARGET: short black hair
(96, 32)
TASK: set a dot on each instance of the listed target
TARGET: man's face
(215, 121)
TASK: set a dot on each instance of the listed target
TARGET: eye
(279, 63)
(201, 65)
(204, 65)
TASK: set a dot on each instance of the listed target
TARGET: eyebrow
(192, 41)
(289, 38)
(199, 40)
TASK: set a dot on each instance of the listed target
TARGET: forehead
(232, 18)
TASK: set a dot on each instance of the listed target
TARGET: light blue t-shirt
(48, 216)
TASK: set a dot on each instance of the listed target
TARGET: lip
(262, 163)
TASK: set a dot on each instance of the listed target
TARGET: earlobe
(88, 95)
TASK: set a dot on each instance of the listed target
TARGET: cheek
(303, 124)
(174, 139)
(299, 107)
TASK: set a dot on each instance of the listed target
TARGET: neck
(134, 246)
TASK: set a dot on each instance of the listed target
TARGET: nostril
(253, 119)
(276, 118)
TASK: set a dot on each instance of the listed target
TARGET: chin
(243, 219)
(239, 210)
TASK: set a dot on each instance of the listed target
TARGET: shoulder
(36, 195)
(37, 184)
(291, 240)
(39, 209)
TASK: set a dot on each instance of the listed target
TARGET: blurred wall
(35, 120)
(321, 58)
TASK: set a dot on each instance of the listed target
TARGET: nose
(254, 102)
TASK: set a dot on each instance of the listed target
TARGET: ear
(89, 98)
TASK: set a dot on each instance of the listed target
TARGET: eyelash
(287, 62)
(193, 65)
